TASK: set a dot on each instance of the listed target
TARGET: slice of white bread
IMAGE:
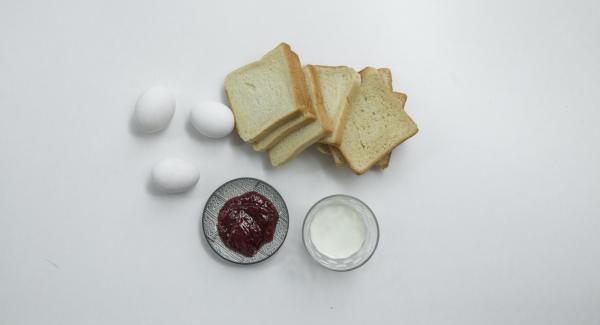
(293, 144)
(338, 85)
(385, 161)
(280, 132)
(376, 123)
(382, 163)
(387, 76)
(267, 93)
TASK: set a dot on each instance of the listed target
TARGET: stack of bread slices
(282, 107)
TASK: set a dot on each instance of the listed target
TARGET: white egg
(212, 119)
(173, 175)
(154, 109)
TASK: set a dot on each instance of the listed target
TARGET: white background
(490, 215)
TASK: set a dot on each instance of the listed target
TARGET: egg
(154, 109)
(212, 119)
(174, 175)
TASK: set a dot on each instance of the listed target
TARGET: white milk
(337, 231)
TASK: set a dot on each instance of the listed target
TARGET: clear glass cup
(368, 247)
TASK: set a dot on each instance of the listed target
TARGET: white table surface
(490, 215)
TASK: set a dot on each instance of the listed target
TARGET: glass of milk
(340, 232)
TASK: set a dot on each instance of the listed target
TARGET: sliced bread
(387, 76)
(338, 85)
(280, 132)
(267, 93)
(384, 162)
(386, 73)
(293, 144)
(376, 123)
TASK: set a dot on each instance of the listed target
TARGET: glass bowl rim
(371, 215)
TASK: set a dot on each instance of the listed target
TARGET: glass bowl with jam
(245, 221)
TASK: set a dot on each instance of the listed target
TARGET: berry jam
(247, 222)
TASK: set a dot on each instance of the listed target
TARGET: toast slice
(382, 163)
(385, 161)
(267, 93)
(293, 144)
(386, 73)
(338, 85)
(282, 131)
(376, 123)
(387, 76)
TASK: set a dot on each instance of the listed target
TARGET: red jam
(247, 222)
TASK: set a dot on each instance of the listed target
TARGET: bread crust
(297, 81)
(337, 137)
(322, 115)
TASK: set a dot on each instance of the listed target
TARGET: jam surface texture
(247, 222)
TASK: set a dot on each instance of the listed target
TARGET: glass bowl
(368, 247)
(237, 187)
